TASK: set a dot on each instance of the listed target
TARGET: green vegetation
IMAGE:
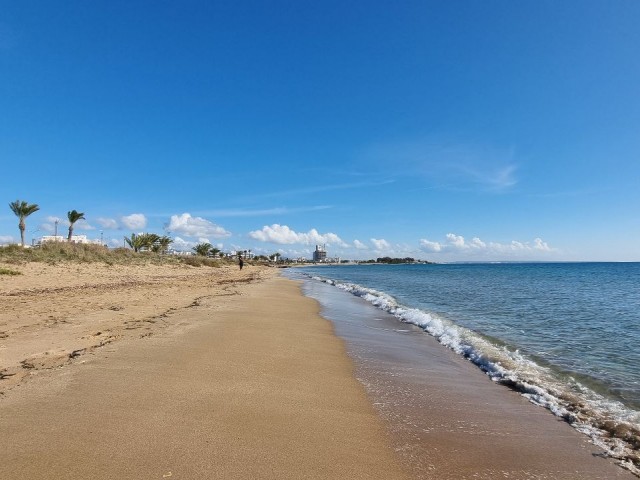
(59, 252)
(22, 210)
(148, 242)
(8, 271)
(202, 249)
(162, 244)
(145, 248)
(394, 261)
(200, 261)
(73, 217)
(207, 250)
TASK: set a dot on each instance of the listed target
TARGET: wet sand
(448, 419)
(248, 383)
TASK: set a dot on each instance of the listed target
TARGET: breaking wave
(609, 424)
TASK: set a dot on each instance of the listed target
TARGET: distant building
(246, 254)
(74, 239)
(320, 254)
(52, 238)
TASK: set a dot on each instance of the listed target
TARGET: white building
(74, 239)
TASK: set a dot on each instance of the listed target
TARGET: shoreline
(448, 419)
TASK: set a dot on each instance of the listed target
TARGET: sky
(439, 130)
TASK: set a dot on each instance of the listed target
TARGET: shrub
(8, 271)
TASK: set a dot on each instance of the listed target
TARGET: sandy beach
(53, 314)
(139, 372)
(200, 373)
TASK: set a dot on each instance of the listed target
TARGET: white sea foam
(584, 409)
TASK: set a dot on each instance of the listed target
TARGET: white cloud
(283, 235)
(457, 244)
(107, 223)
(6, 239)
(359, 245)
(476, 242)
(49, 225)
(198, 227)
(540, 245)
(182, 245)
(455, 240)
(135, 221)
(380, 244)
(428, 246)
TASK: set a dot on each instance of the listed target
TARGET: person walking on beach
(240, 262)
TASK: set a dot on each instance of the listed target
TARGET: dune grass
(62, 252)
(8, 271)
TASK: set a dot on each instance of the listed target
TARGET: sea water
(565, 335)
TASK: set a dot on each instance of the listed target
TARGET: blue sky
(441, 130)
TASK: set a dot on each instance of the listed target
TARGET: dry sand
(136, 373)
(52, 314)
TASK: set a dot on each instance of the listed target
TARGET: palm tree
(150, 239)
(135, 241)
(22, 210)
(275, 257)
(162, 245)
(214, 252)
(73, 217)
(202, 249)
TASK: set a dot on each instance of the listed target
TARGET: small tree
(275, 257)
(162, 245)
(73, 217)
(135, 241)
(143, 240)
(202, 249)
(22, 210)
(149, 240)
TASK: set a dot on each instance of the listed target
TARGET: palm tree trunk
(22, 228)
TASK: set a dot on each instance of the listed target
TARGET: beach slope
(247, 382)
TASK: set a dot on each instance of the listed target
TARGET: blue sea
(565, 335)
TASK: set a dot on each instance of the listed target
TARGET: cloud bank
(458, 244)
(135, 221)
(283, 235)
(380, 244)
(199, 227)
(359, 245)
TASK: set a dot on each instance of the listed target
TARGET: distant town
(140, 244)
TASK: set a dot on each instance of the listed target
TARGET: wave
(609, 424)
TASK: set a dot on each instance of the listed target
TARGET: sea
(564, 335)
